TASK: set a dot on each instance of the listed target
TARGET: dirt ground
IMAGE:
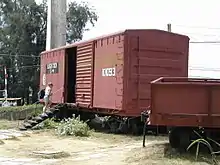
(99, 149)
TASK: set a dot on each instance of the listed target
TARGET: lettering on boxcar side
(52, 68)
(108, 72)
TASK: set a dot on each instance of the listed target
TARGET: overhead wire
(27, 66)
(204, 42)
(205, 69)
(202, 34)
(195, 35)
(197, 27)
(20, 55)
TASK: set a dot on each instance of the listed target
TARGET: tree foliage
(76, 26)
(23, 36)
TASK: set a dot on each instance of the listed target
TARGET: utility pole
(169, 27)
(48, 39)
(6, 83)
(56, 24)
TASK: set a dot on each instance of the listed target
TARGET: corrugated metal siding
(84, 74)
(58, 79)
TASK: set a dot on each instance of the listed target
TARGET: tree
(78, 16)
(23, 37)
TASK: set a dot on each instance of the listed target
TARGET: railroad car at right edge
(189, 107)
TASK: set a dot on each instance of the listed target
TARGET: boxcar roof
(102, 37)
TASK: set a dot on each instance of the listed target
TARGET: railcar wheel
(185, 136)
(179, 138)
(114, 127)
(123, 128)
(134, 129)
(174, 138)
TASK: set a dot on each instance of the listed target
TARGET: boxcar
(111, 74)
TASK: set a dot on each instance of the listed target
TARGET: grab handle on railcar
(144, 116)
(144, 133)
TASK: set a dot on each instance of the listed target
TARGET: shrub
(50, 124)
(21, 108)
(20, 112)
(73, 126)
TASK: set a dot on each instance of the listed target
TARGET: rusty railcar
(184, 105)
(111, 75)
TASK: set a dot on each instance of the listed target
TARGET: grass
(20, 112)
(21, 108)
(49, 124)
(162, 153)
(208, 143)
(156, 152)
(5, 124)
(29, 110)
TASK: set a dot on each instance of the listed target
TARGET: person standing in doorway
(47, 97)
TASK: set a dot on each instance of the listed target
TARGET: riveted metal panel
(126, 63)
(53, 70)
(185, 102)
(108, 72)
(151, 54)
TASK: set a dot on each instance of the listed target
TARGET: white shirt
(47, 91)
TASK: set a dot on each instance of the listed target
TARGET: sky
(197, 19)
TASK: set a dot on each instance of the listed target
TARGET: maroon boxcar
(112, 74)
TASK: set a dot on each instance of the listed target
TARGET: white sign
(44, 79)
(109, 72)
(52, 68)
